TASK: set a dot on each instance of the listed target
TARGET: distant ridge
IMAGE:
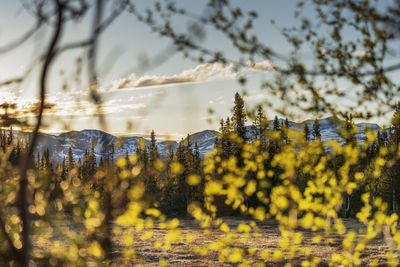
(80, 141)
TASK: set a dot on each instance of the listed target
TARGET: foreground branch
(24, 258)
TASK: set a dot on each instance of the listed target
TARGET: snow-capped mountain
(80, 141)
(330, 126)
(205, 140)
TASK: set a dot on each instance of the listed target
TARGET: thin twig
(23, 200)
(11, 81)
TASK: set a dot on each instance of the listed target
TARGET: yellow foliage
(243, 228)
(174, 223)
(213, 188)
(259, 213)
(96, 250)
(121, 162)
(131, 215)
(224, 228)
(153, 212)
(173, 235)
(137, 191)
(193, 180)
(300, 185)
(236, 255)
(163, 262)
(176, 168)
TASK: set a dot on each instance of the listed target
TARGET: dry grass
(182, 254)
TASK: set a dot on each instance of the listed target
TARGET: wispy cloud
(257, 97)
(72, 108)
(361, 53)
(265, 65)
(206, 72)
(64, 106)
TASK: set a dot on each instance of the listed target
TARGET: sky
(173, 97)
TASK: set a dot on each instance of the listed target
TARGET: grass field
(182, 253)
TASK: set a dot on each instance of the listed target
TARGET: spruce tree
(219, 137)
(46, 160)
(284, 131)
(197, 191)
(197, 158)
(395, 126)
(188, 142)
(3, 140)
(306, 132)
(70, 160)
(276, 124)
(227, 144)
(101, 163)
(274, 146)
(42, 164)
(64, 170)
(260, 127)
(10, 137)
(394, 140)
(316, 131)
(145, 158)
(382, 137)
(239, 118)
(37, 161)
(170, 153)
(189, 158)
(112, 152)
(182, 186)
(79, 168)
(85, 165)
(92, 160)
(238, 127)
(153, 150)
(350, 131)
(15, 153)
(189, 168)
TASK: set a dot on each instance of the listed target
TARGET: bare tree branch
(101, 27)
(11, 81)
(23, 201)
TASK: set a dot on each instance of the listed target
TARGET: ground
(182, 254)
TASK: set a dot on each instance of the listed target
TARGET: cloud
(257, 97)
(72, 108)
(206, 72)
(361, 53)
(64, 106)
(265, 65)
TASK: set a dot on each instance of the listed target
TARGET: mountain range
(80, 141)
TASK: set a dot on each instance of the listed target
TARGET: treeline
(271, 141)
(178, 180)
(164, 178)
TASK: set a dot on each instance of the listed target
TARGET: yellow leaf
(193, 180)
(176, 168)
(95, 250)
